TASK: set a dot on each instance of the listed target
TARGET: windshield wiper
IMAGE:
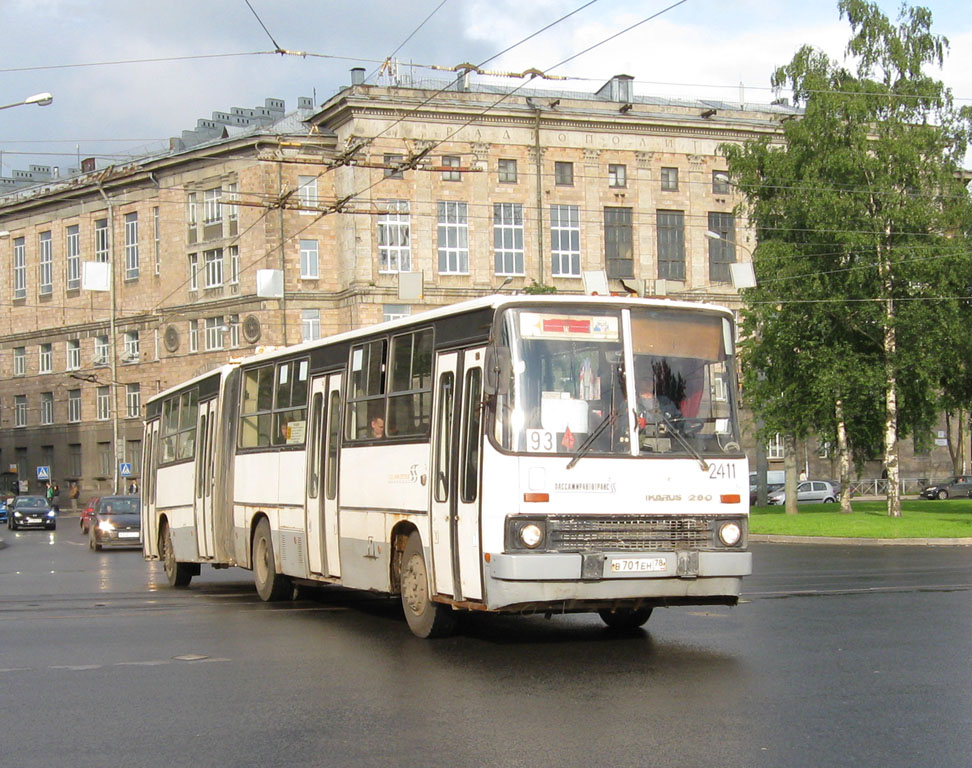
(584, 447)
(673, 431)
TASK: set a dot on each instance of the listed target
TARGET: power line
(410, 36)
(276, 45)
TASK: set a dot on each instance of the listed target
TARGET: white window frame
(232, 195)
(101, 350)
(193, 335)
(506, 170)
(395, 312)
(193, 271)
(309, 260)
(72, 245)
(131, 245)
(453, 237)
(20, 268)
(310, 324)
(45, 358)
(157, 232)
(47, 408)
(212, 206)
(508, 238)
(101, 238)
(617, 175)
(566, 262)
(133, 401)
(74, 406)
(20, 410)
(395, 237)
(774, 448)
(214, 333)
(131, 347)
(192, 210)
(213, 261)
(234, 265)
(45, 264)
(72, 355)
(307, 194)
(20, 361)
(103, 401)
(234, 330)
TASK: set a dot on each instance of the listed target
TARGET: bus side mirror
(499, 371)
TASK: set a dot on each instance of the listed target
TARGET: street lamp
(742, 274)
(40, 99)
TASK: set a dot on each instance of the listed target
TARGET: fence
(910, 486)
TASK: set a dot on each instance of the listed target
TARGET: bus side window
(333, 434)
(443, 430)
(472, 411)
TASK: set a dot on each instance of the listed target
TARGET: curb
(778, 539)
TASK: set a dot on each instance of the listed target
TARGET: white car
(809, 492)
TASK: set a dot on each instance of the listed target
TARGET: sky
(700, 49)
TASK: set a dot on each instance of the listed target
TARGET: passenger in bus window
(377, 427)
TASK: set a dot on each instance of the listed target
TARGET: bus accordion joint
(535, 497)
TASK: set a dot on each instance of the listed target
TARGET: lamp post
(40, 99)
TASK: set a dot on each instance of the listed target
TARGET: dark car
(116, 522)
(956, 486)
(31, 512)
(87, 512)
(3, 510)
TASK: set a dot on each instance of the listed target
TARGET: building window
(157, 232)
(720, 182)
(669, 179)
(453, 239)
(131, 245)
(214, 267)
(310, 324)
(133, 455)
(46, 358)
(507, 171)
(391, 171)
(20, 411)
(74, 406)
(131, 352)
(618, 242)
(394, 237)
(47, 408)
(212, 206)
(232, 208)
(565, 240)
(74, 459)
(20, 361)
(46, 265)
(133, 401)
(308, 260)
(234, 265)
(73, 355)
(103, 399)
(193, 271)
(214, 333)
(670, 227)
(774, 448)
(105, 459)
(722, 251)
(617, 175)
(192, 217)
(307, 194)
(101, 240)
(20, 268)
(452, 161)
(101, 350)
(234, 330)
(395, 311)
(73, 248)
(193, 335)
(564, 174)
(508, 238)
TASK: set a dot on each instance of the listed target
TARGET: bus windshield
(572, 385)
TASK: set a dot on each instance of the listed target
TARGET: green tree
(856, 212)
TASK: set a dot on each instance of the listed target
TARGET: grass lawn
(920, 519)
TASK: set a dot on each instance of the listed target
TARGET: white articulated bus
(513, 453)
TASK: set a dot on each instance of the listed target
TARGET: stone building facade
(262, 228)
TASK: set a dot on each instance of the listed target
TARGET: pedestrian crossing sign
(43, 473)
(125, 468)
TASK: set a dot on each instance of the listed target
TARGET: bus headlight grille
(574, 533)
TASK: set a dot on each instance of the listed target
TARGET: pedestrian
(133, 488)
(52, 495)
(73, 492)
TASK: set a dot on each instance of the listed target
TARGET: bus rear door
(204, 476)
(320, 513)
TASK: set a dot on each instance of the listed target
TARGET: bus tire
(178, 574)
(425, 618)
(625, 618)
(270, 585)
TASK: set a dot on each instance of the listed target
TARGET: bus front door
(455, 473)
(204, 476)
(150, 544)
(320, 515)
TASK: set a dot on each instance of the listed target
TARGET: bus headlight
(531, 535)
(730, 534)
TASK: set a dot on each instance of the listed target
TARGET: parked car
(770, 488)
(809, 492)
(87, 512)
(31, 512)
(956, 486)
(116, 522)
(3, 510)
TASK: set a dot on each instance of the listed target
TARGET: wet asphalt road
(839, 656)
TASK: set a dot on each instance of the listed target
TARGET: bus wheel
(625, 618)
(425, 618)
(270, 585)
(178, 574)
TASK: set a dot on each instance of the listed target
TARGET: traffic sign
(43, 473)
(125, 469)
